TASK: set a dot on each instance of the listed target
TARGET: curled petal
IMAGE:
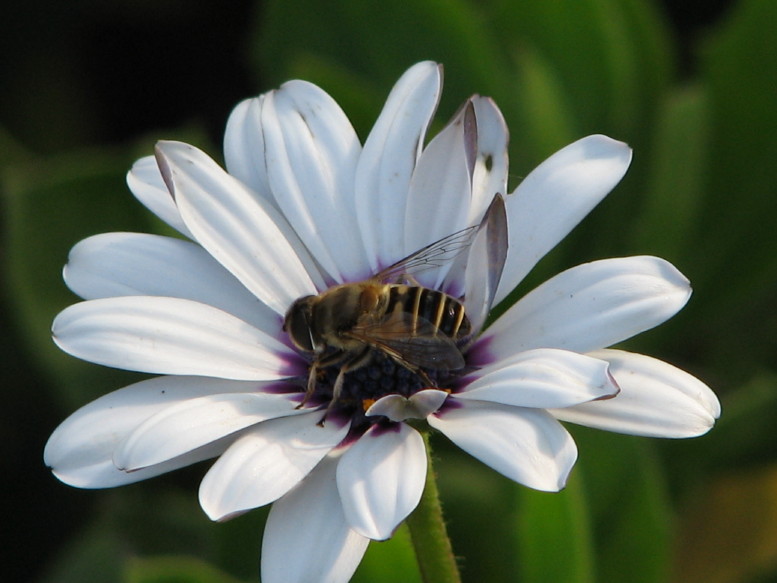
(265, 462)
(170, 336)
(146, 183)
(526, 445)
(80, 451)
(485, 263)
(380, 479)
(490, 172)
(417, 406)
(590, 306)
(656, 400)
(309, 523)
(543, 378)
(555, 197)
(244, 147)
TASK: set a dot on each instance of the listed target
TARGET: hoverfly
(390, 313)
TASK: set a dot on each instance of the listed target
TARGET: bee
(391, 313)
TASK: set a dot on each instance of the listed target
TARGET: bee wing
(485, 262)
(433, 255)
(412, 340)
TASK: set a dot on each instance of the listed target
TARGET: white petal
(380, 479)
(193, 423)
(526, 445)
(311, 151)
(240, 229)
(590, 306)
(126, 264)
(244, 147)
(542, 378)
(266, 462)
(555, 197)
(440, 190)
(656, 400)
(170, 336)
(146, 183)
(491, 164)
(306, 538)
(80, 451)
(388, 159)
(399, 408)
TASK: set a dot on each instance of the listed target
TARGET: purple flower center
(381, 375)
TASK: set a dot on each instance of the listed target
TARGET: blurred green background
(88, 86)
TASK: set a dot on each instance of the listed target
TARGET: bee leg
(358, 361)
(336, 390)
(428, 382)
(415, 369)
(311, 386)
(425, 378)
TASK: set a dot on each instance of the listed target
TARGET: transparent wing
(433, 255)
(411, 340)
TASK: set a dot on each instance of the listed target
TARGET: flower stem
(428, 534)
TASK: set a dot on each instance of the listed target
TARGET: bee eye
(297, 324)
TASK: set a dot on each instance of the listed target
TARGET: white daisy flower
(302, 208)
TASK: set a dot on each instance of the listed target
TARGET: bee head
(298, 324)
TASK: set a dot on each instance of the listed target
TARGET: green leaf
(668, 224)
(605, 52)
(389, 561)
(735, 276)
(742, 439)
(628, 504)
(540, 107)
(480, 514)
(176, 527)
(174, 570)
(742, 171)
(554, 535)
(96, 555)
(654, 60)
(587, 67)
(675, 187)
(51, 204)
(375, 42)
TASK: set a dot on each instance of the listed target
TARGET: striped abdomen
(445, 313)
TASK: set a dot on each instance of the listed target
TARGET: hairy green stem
(428, 533)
